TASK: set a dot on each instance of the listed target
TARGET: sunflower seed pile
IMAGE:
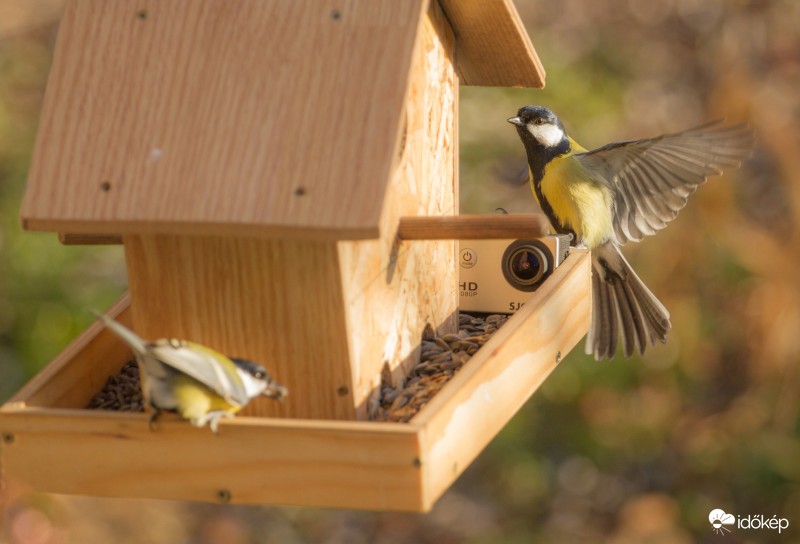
(441, 357)
(121, 392)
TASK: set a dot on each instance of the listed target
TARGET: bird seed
(121, 392)
(440, 358)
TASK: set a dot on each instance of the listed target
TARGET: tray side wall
(250, 461)
(478, 402)
(81, 370)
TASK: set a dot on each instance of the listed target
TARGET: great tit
(199, 383)
(618, 193)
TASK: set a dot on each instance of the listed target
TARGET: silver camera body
(498, 276)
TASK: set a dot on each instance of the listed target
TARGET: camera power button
(467, 258)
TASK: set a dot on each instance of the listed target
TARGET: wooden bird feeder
(269, 167)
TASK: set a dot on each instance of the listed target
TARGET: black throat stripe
(538, 158)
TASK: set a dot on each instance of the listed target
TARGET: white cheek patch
(547, 135)
(252, 386)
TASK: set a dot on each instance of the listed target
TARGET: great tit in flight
(618, 193)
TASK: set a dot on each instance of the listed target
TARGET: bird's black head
(257, 381)
(540, 128)
(255, 370)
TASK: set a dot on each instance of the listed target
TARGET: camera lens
(526, 264)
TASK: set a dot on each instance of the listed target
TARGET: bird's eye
(538, 121)
(258, 374)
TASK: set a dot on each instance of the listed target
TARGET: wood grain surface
(212, 116)
(494, 48)
(276, 302)
(251, 461)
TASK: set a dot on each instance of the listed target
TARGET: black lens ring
(538, 247)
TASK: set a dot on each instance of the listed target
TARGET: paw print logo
(719, 519)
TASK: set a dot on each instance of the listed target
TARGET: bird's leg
(151, 424)
(212, 418)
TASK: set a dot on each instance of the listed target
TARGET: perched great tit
(199, 383)
(618, 193)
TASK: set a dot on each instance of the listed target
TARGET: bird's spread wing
(199, 363)
(652, 178)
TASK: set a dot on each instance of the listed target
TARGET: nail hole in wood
(105, 186)
(343, 391)
(300, 191)
(224, 495)
(336, 15)
(141, 14)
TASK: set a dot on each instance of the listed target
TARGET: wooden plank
(444, 227)
(493, 46)
(251, 461)
(392, 291)
(81, 370)
(475, 405)
(474, 227)
(222, 117)
(276, 302)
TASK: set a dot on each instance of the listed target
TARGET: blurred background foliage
(621, 451)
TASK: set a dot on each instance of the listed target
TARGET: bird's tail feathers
(622, 305)
(135, 342)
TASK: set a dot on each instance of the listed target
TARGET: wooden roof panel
(493, 46)
(261, 114)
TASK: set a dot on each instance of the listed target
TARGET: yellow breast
(578, 201)
(195, 400)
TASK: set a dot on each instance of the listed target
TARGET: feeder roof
(242, 117)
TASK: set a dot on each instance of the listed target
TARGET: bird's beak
(275, 391)
(516, 121)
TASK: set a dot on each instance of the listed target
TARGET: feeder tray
(54, 445)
